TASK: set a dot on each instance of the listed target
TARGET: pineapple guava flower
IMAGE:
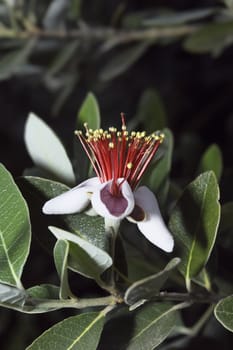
(119, 160)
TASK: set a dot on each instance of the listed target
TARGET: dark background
(197, 92)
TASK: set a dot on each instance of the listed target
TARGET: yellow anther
(125, 133)
(129, 165)
(112, 129)
(123, 127)
(118, 134)
(111, 145)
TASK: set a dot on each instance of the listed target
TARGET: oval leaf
(159, 174)
(213, 37)
(194, 223)
(74, 333)
(149, 286)
(46, 150)
(212, 160)
(38, 191)
(153, 324)
(224, 312)
(175, 18)
(89, 112)
(151, 111)
(144, 328)
(123, 61)
(91, 260)
(15, 230)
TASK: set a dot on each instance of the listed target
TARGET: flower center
(118, 154)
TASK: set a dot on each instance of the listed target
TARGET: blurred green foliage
(166, 65)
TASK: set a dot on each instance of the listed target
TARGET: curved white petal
(153, 227)
(114, 207)
(72, 201)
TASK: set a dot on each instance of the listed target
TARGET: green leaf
(89, 112)
(213, 37)
(32, 301)
(123, 61)
(151, 111)
(175, 18)
(224, 312)
(226, 221)
(91, 228)
(159, 173)
(15, 230)
(89, 260)
(212, 160)
(76, 333)
(46, 150)
(10, 295)
(149, 286)
(194, 223)
(44, 291)
(153, 324)
(11, 63)
(144, 328)
(61, 251)
(63, 57)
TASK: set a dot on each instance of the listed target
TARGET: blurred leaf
(76, 9)
(69, 82)
(89, 112)
(87, 227)
(61, 251)
(15, 230)
(54, 18)
(158, 175)
(194, 223)
(228, 3)
(226, 221)
(212, 160)
(123, 60)
(46, 150)
(151, 111)
(149, 286)
(13, 61)
(224, 312)
(63, 57)
(76, 333)
(213, 37)
(175, 18)
(89, 260)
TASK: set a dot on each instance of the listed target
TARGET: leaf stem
(72, 303)
(112, 37)
(190, 297)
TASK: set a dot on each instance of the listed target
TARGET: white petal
(103, 209)
(72, 201)
(153, 227)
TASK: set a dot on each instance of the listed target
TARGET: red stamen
(116, 154)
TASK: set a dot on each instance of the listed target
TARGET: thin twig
(113, 36)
